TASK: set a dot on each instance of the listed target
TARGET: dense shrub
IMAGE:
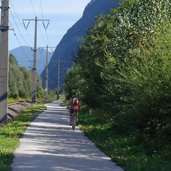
(123, 68)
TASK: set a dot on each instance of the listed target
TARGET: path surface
(50, 144)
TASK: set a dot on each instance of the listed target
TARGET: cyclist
(74, 106)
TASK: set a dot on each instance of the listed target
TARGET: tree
(20, 81)
(124, 63)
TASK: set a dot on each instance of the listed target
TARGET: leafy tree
(123, 65)
(73, 82)
(20, 81)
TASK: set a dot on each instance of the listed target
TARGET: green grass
(10, 134)
(124, 149)
(11, 100)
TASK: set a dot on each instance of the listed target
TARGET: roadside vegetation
(126, 150)
(122, 75)
(11, 132)
(20, 84)
(20, 81)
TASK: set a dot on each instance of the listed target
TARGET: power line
(33, 8)
(41, 6)
(41, 9)
(20, 45)
(35, 14)
(20, 21)
(19, 30)
(46, 37)
(40, 30)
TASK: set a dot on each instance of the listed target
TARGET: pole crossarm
(29, 20)
(4, 28)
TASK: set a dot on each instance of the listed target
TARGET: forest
(20, 81)
(122, 73)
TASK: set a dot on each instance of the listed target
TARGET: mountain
(24, 57)
(70, 43)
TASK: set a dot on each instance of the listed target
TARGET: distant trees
(123, 68)
(20, 81)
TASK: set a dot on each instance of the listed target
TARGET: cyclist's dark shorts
(72, 110)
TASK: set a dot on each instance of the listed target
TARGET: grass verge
(10, 134)
(124, 149)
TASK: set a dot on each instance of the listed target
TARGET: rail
(14, 108)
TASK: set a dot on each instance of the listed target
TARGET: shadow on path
(49, 144)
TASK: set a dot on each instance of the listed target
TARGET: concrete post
(4, 59)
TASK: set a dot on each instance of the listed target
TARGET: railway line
(14, 108)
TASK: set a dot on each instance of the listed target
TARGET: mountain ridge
(24, 57)
(69, 44)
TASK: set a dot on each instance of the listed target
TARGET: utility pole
(34, 70)
(4, 59)
(58, 88)
(47, 75)
(58, 79)
(34, 76)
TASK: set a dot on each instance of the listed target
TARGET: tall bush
(124, 67)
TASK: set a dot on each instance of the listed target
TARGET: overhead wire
(20, 44)
(19, 29)
(15, 37)
(41, 6)
(33, 7)
(40, 28)
(14, 11)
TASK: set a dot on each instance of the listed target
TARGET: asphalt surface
(50, 144)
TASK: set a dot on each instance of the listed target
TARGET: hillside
(24, 57)
(68, 46)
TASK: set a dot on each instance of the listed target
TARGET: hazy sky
(61, 13)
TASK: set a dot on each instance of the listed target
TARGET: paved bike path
(50, 144)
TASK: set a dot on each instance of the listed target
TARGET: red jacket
(74, 107)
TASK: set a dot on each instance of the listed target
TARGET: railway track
(14, 108)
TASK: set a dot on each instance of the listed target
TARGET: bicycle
(73, 119)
